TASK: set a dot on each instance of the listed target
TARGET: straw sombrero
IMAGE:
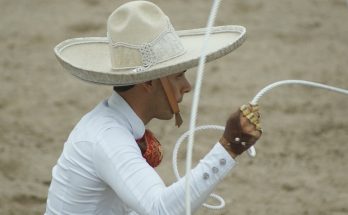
(141, 45)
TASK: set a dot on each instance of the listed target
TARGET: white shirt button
(222, 161)
(205, 176)
(215, 169)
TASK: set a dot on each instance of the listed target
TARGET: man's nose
(187, 87)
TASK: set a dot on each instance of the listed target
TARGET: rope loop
(251, 151)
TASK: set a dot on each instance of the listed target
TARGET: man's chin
(166, 117)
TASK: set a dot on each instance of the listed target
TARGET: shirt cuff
(215, 165)
(226, 153)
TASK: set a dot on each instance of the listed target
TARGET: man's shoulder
(99, 120)
(102, 115)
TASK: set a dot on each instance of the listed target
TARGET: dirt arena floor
(302, 162)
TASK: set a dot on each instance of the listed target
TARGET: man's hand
(242, 130)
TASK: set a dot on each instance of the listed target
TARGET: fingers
(249, 127)
(250, 120)
(251, 112)
(256, 133)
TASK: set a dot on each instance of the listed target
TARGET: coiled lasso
(251, 151)
(194, 108)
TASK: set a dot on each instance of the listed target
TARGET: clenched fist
(242, 130)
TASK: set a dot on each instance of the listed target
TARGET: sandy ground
(302, 161)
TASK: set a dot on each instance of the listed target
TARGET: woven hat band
(167, 45)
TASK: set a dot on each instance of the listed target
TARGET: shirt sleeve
(118, 161)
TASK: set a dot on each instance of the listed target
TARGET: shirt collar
(117, 103)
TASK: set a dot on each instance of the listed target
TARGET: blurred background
(302, 163)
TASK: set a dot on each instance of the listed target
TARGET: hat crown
(141, 36)
(136, 23)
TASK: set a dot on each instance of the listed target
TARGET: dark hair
(119, 89)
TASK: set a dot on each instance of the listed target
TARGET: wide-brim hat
(141, 45)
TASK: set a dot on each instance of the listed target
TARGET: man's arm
(119, 163)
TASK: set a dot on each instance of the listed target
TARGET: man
(107, 165)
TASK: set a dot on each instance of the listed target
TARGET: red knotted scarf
(150, 148)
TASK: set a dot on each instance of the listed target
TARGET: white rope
(251, 151)
(300, 82)
(194, 109)
(175, 161)
(195, 103)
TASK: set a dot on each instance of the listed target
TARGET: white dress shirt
(101, 169)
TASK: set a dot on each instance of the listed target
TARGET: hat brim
(89, 58)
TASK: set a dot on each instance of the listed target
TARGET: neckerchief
(150, 148)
